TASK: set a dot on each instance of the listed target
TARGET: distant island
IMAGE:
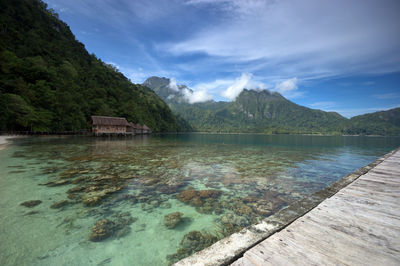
(49, 82)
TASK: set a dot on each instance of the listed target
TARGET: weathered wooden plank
(373, 195)
(284, 251)
(366, 206)
(375, 177)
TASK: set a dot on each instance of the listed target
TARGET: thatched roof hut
(108, 120)
(146, 129)
(107, 124)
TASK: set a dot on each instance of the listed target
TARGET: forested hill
(49, 82)
(378, 123)
(252, 111)
(269, 112)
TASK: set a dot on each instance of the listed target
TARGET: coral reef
(118, 226)
(173, 219)
(192, 242)
(31, 203)
(59, 204)
(102, 230)
(197, 198)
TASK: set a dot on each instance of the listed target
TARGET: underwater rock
(80, 179)
(243, 209)
(76, 189)
(118, 227)
(195, 198)
(126, 175)
(168, 189)
(69, 173)
(123, 219)
(103, 178)
(94, 197)
(59, 204)
(251, 199)
(187, 195)
(150, 181)
(192, 242)
(31, 203)
(91, 201)
(154, 203)
(165, 205)
(173, 219)
(147, 207)
(16, 172)
(55, 183)
(235, 220)
(92, 188)
(264, 208)
(73, 196)
(209, 193)
(141, 197)
(197, 202)
(31, 213)
(174, 182)
(50, 170)
(218, 210)
(102, 230)
(126, 197)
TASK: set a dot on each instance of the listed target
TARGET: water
(218, 183)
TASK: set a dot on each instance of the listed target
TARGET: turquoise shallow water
(130, 187)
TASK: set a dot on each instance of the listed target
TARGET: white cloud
(245, 81)
(323, 105)
(214, 85)
(172, 84)
(287, 85)
(289, 88)
(196, 96)
(191, 96)
(351, 37)
(386, 96)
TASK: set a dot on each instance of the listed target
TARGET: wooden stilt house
(106, 125)
(138, 129)
(109, 125)
(146, 130)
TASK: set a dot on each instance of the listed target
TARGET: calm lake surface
(151, 200)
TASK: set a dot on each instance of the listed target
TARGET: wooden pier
(359, 225)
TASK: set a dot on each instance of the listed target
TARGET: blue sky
(337, 55)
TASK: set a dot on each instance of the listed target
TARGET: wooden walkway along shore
(359, 225)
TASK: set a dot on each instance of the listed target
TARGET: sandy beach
(4, 140)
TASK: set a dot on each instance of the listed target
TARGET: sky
(340, 55)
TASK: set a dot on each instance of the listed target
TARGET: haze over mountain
(263, 111)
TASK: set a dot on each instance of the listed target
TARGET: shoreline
(87, 133)
(6, 140)
(265, 134)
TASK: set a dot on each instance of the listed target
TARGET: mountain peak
(260, 93)
(156, 82)
(166, 89)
